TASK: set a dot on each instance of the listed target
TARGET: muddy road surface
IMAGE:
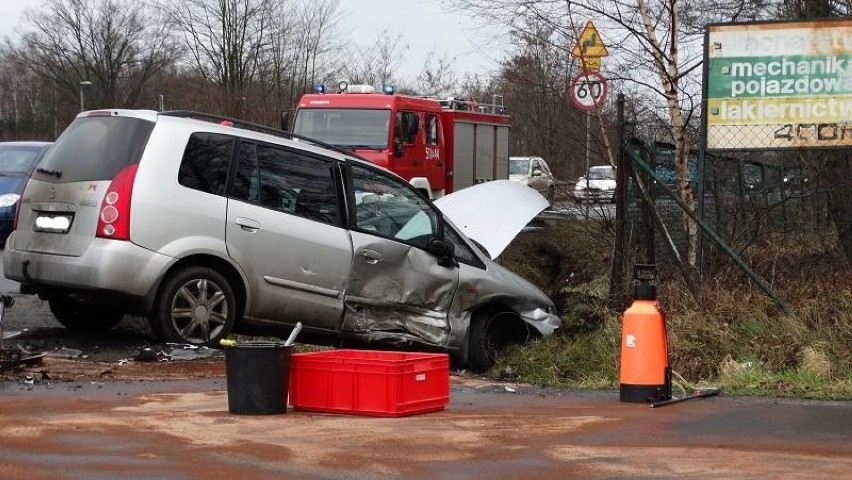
(91, 409)
(182, 429)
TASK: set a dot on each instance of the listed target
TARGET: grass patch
(737, 339)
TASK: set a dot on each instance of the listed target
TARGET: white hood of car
(492, 213)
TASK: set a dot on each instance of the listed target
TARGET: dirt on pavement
(104, 414)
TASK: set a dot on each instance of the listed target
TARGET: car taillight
(114, 216)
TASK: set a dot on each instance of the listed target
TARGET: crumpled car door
(396, 292)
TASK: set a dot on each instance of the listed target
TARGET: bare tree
(225, 40)
(117, 45)
(375, 64)
(317, 26)
(437, 77)
(282, 53)
(534, 83)
(650, 50)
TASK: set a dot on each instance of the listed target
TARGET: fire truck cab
(439, 146)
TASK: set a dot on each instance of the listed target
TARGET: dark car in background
(17, 161)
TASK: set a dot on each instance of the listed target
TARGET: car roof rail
(236, 122)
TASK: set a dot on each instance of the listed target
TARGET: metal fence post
(616, 278)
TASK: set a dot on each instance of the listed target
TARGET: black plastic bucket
(257, 374)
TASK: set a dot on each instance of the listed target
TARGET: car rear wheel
(196, 305)
(75, 315)
(490, 332)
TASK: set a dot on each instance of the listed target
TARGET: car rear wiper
(47, 171)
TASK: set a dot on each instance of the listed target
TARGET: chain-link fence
(760, 204)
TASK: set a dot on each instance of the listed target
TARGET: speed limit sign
(588, 90)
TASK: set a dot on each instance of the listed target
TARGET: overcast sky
(424, 26)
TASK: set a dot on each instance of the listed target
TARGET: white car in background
(534, 173)
(597, 185)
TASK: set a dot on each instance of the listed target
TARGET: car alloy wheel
(197, 306)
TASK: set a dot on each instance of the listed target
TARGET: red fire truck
(438, 145)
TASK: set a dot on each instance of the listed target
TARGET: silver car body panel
(493, 213)
(105, 265)
(496, 284)
(397, 292)
(296, 268)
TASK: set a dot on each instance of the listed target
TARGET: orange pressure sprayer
(645, 373)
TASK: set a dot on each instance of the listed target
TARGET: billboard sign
(779, 85)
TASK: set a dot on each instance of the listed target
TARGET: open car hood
(492, 213)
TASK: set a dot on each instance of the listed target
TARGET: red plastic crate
(367, 382)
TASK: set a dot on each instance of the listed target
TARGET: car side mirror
(397, 148)
(537, 172)
(445, 251)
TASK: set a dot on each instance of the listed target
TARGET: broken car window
(463, 253)
(391, 208)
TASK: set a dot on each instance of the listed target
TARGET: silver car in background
(534, 173)
(202, 224)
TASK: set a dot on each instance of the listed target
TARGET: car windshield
(601, 173)
(348, 128)
(518, 167)
(17, 160)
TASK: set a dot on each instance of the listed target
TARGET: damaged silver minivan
(201, 223)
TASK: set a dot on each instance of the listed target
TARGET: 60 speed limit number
(588, 90)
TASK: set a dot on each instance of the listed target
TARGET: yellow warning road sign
(589, 44)
(590, 63)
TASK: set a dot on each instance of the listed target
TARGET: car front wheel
(490, 332)
(197, 306)
(75, 315)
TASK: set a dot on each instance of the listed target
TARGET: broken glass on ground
(62, 352)
(196, 353)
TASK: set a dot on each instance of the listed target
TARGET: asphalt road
(28, 324)
(182, 429)
(89, 410)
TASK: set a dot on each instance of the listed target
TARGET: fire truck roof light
(320, 89)
(389, 89)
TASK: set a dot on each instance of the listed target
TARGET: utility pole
(616, 282)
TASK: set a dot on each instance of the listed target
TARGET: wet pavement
(91, 411)
(182, 429)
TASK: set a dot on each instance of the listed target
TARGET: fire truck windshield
(348, 128)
